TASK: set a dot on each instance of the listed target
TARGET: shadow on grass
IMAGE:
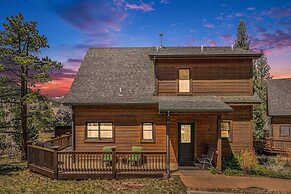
(6, 169)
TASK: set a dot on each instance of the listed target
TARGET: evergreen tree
(20, 45)
(261, 72)
(242, 39)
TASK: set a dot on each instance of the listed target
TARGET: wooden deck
(276, 145)
(60, 164)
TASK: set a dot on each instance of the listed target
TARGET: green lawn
(16, 179)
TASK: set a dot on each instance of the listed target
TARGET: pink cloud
(227, 38)
(143, 6)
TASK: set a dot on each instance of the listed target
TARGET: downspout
(73, 129)
(168, 144)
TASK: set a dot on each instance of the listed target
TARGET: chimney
(202, 48)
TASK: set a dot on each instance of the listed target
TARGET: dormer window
(184, 80)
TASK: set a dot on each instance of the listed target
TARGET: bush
(247, 160)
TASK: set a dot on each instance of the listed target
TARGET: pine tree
(261, 72)
(20, 45)
(242, 39)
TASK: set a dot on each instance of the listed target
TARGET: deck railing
(63, 141)
(87, 164)
(277, 145)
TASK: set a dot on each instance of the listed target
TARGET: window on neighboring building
(99, 131)
(285, 130)
(226, 129)
(147, 132)
(184, 80)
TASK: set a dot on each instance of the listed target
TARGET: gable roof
(279, 97)
(107, 72)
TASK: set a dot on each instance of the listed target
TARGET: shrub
(247, 160)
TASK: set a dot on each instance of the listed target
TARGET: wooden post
(28, 153)
(55, 161)
(168, 144)
(114, 162)
(218, 160)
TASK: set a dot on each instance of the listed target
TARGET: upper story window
(285, 131)
(184, 80)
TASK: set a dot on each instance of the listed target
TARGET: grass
(16, 179)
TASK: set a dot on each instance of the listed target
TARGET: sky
(73, 26)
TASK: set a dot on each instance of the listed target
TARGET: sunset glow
(73, 26)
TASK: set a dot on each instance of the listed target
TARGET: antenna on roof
(232, 47)
(161, 36)
(120, 92)
(202, 48)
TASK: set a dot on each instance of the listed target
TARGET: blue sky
(73, 26)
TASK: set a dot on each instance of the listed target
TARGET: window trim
(288, 136)
(190, 82)
(99, 139)
(230, 134)
(153, 140)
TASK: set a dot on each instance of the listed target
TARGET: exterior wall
(127, 129)
(242, 130)
(208, 76)
(276, 122)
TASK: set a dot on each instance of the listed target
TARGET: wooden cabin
(177, 100)
(279, 110)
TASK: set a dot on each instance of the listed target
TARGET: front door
(186, 144)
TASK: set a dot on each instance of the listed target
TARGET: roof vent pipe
(157, 48)
(120, 92)
(202, 48)
(161, 35)
(231, 47)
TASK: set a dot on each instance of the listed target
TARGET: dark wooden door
(186, 144)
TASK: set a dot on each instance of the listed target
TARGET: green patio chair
(136, 158)
(107, 158)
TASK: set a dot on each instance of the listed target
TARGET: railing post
(28, 152)
(114, 162)
(55, 161)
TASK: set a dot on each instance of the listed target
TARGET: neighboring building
(279, 109)
(125, 96)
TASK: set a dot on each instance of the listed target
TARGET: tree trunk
(24, 112)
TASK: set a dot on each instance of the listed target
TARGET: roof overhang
(203, 56)
(192, 104)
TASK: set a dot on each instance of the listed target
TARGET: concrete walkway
(195, 179)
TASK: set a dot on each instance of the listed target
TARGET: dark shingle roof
(105, 71)
(241, 99)
(192, 104)
(207, 52)
(279, 97)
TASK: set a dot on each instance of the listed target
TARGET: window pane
(284, 130)
(185, 133)
(92, 126)
(147, 135)
(147, 129)
(92, 134)
(184, 74)
(105, 126)
(106, 134)
(106, 130)
(225, 129)
(184, 86)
